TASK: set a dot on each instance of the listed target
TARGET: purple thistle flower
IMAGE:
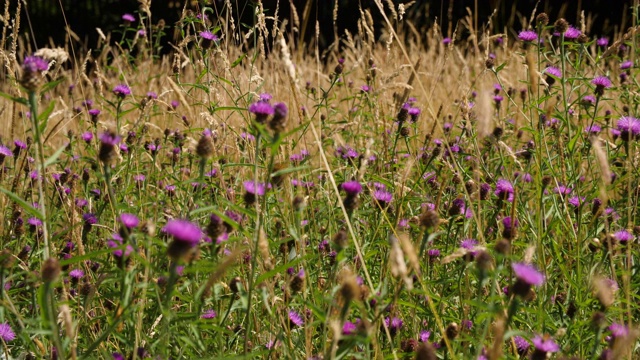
(265, 97)
(348, 328)
(626, 65)
(624, 236)
(545, 344)
(89, 219)
(424, 336)
(352, 188)
(433, 253)
(365, 88)
(527, 35)
(446, 41)
(117, 356)
(553, 71)
(151, 95)
(5, 152)
(76, 274)
(109, 138)
(602, 42)
(129, 220)
(562, 190)
(618, 330)
(34, 64)
(295, 318)
(121, 90)
(468, 244)
(209, 36)
(209, 314)
(628, 127)
(94, 112)
(20, 144)
(572, 33)
(6, 333)
(528, 274)
(504, 190)
(576, 201)
(255, 188)
(593, 129)
(394, 324)
(128, 18)
(588, 100)
(521, 344)
(382, 196)
(262, 110)
(183, 231)
(175, 104)
(601, 81)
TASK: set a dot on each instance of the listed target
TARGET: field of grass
(425, 196)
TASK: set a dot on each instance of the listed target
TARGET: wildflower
(209, 314)
(527, 35)
(262, 110)
(32, 68)
(629, 127)
(208, 39)
(204, 149)
(624, 236)
(295, 319)
(601, 83)
(121, 91)
(446, 41)
(588, 100)
(618, 330)
(504, 190)
(543, 345)
(576, 201)
(382, 197)
(522, 345)
(151, 95)
(352, 188)
(130, 221)
(76, 274)
(128, 18)
(108, 141)
(394, 324)
(4, 152)
(175, 104)
(6, 333)
(593, 129)
(186, 235)
(552, 73)
(526, 277)
(348, 328)
(458, 207)
(626, 65)
(424, 336)
(602, 42)
(279, 120)
(572, 33)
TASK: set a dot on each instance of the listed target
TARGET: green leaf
(501, 66)
(572, 143)
(51, 84)
(237, 61)
(53, 158)
(19, 100)
(30, 209)
(289, 170)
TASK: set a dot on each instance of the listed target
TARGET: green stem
(33, 102)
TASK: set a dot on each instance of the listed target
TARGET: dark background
(83, 16)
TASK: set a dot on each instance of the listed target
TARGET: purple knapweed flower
(572, 33)
(624, 236)
(446, 41)
(626, 65)
(34, 64)
(183, 231)
(522, 345)
(295, 318)
(602, 42)
(6, 333)
(545, 344)
(528, 35)
(394, 324)
(130, 221)
(151, 95)
(348, 328)
(89, 219)
(576, 201)
(352, 188)
(76, 274)
(504, 190)
(128, 18)
(262, 110)
(588, 100)
(629, 127)
(528, 274)
(382, 197)
(209, 36)
(121, 90)
(424, 336)
(5, 152)
(618, 330)
(255, 188)
(593, 129)
(209, 314)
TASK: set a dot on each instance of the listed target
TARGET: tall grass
(419, 196)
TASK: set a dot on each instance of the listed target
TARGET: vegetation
(425, 196)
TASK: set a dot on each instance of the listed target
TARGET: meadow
(427, 195)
